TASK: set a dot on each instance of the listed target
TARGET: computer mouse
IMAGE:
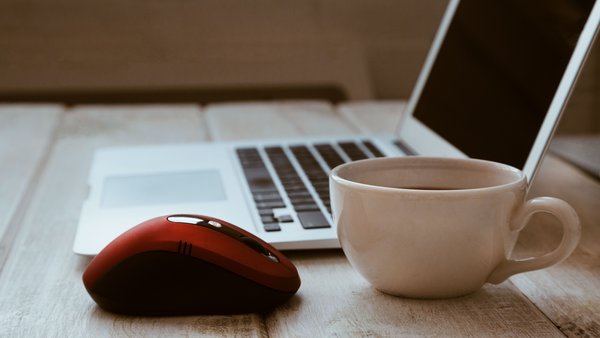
(189, 264)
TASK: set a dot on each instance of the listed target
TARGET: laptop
(493, 85)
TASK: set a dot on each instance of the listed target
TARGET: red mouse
(189, 264)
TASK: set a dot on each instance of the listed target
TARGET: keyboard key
(321, 185)
(251, 164)
(290, 180)
(315, 173)
(259, 197)
(248, 152)
(301, 200)
(295, 194)
(285, 170)
(352, 150)
(257, 173)
(373, 149)
(285, 219)
(265, 212)
(272, 227)
(267, 219)
(271, 205)
(274, 150)
(329, 154)
(306, 207)
(294, 187)
(312, 220)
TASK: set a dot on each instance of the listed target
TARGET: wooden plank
(568, 293)
(25, 132)
(373, 116)
(335, 301)
(41, 293)
(273, 120)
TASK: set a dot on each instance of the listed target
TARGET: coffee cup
(425, 227)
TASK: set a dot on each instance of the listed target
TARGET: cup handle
(571, 234)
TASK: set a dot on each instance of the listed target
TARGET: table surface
(45, 156)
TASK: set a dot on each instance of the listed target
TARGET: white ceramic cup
(430, 243)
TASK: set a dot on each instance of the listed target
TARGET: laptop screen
(496, 74)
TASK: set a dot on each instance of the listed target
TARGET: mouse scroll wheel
(254, 245)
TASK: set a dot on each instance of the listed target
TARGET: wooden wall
(371, 49)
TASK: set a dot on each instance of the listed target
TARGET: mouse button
(219, 227)
(262, 269)
(253, 244)
(245, 237)
(184, 219)
(229, 232)
(236, 256)
(256, 246)
(225, 249)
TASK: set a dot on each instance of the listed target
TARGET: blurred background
(130, 51)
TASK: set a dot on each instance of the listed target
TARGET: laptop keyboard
(306, 207)
(264, 192)
(308, 210)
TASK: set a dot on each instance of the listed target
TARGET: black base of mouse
(165, 284)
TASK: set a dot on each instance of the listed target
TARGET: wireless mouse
(189, 264)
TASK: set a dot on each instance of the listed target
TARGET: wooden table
(45, 154)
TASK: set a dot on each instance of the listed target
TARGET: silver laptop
(493, 86)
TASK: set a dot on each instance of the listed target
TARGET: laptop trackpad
(164, 188)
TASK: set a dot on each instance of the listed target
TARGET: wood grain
(568, 293)
(41, 293)
(26, 131)
(373, 116)
(335, 301)
(273, 120)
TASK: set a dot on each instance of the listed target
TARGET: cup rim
(334, 175)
